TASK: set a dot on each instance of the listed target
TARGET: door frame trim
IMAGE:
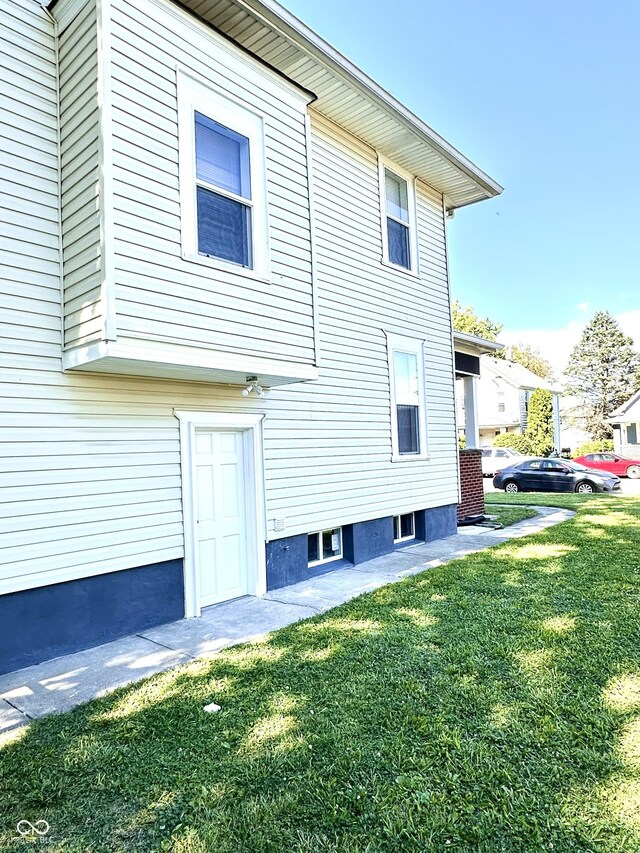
(190, 421)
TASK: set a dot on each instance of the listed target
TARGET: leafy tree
(466, 320)
(516, 441)
(531, 358)
(605, 445)
(602, 373)
(540, 422)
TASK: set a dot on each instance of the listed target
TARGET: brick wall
(471, 488)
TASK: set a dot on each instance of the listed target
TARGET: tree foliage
(531, 358)
(605, 445)
(540, 422)
(602, 373)
(516, 441)
(466, 320)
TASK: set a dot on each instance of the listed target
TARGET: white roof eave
(466, 184)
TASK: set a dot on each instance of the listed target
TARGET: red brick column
(471, 488)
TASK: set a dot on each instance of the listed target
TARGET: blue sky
(544, 97)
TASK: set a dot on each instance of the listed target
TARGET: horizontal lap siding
(81, 236)
(160, 296)
(328, 444)
(90, 464)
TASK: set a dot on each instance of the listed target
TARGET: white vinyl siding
(328, 460)
(79, 135)
(161, 295)
(90, 464)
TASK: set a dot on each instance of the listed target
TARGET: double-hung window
(399, 220)
(406, 380)
(222, 180)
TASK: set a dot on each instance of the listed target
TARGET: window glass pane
(398, 244)
(406, 525)
(397, 196)
(312, 547)
(224, 228)
(331, 543)
(632, 434)
(396, 527)
(405, 374)
(408, 429)
(222, 157)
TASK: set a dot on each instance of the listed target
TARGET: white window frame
(196, 96)
(323, 560)
(383, 164)
(413, 346)
(399, 519)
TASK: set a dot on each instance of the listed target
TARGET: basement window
(404, 527)
(324, 546)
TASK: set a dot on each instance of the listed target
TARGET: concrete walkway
(60, 684)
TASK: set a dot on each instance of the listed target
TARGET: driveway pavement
(61, 684)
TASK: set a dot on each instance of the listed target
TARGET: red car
(611, 462)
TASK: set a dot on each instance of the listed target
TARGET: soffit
(347, 96)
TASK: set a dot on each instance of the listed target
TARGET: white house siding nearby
(161, 296)
(328, 443)
(91, 463)
(80, 184)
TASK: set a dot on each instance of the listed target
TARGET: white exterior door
(221, 516)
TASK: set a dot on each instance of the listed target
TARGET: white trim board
(190, 421)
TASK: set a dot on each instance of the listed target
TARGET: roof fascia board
(291, 28)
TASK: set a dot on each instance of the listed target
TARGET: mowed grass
(507, 515)
(491, 704)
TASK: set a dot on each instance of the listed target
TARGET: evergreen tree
(601, 374)
(540, 422)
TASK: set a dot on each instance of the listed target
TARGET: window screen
(398, 237)
(223, 192)
(407, 401)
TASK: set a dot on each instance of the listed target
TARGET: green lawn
(506, 515)
(491, 704)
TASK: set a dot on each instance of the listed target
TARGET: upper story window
(397, 203)
(406, 379)
(222, 181)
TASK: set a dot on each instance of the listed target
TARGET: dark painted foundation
(44, 623)
(287, 558)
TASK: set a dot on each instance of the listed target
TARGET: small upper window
(222, 180)
(398, 226)
(406, 375)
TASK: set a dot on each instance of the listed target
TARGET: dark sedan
(554, 475)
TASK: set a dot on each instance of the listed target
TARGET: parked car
(494, 459)
(623, 466)
(554, 475)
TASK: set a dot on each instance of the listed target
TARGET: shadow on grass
(490, 704)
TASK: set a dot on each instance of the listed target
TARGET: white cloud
(556, 344)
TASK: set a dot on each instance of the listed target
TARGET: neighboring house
(626, 427)
(504, 389)
(201, 201)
